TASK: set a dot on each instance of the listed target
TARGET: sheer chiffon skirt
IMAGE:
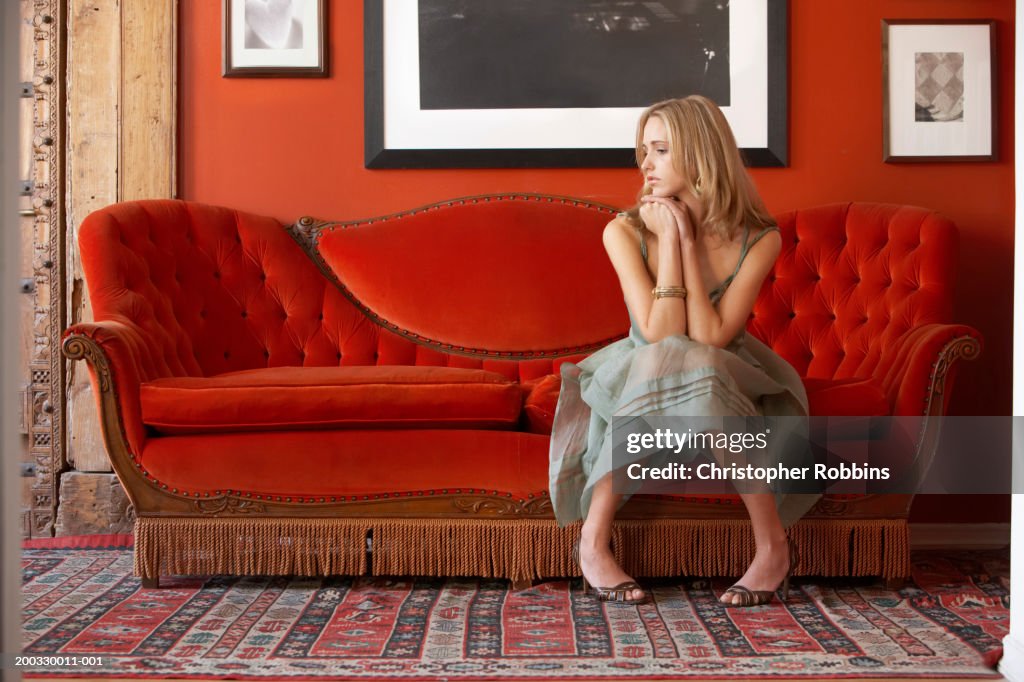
(675, 377)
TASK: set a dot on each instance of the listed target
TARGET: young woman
(691, 258)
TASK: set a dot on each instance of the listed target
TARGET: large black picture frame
(380, 155)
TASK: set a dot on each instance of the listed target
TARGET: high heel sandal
(750, 597)
(617, 594)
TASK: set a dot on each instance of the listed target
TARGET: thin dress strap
(773, 228)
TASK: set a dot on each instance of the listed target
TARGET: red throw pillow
(539, 408)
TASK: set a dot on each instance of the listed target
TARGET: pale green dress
(676, 377)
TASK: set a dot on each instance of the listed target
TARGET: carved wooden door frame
(42, 192)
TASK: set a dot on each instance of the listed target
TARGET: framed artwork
(938, 90)
(285, 38)
(537, 83)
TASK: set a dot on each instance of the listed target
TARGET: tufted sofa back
(203, 290)
(206, 290)
(215, 290)
(852, 279)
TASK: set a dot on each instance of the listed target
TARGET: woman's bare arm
(657, 318)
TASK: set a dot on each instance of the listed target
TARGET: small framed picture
(284, 38)
(938, 90)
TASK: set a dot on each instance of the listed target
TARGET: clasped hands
(665, 215)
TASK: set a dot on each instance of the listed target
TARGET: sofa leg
(895, 583)
(151, 583)
(522, 584)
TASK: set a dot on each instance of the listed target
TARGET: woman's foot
(601, 570)
(765, 573)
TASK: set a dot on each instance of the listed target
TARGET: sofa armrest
(916, 371)
(118, 357)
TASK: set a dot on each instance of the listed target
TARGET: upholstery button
(202, 313)
(832, 316)
(792, 314)
(263, 276)
(266, 353)
(245, 314)
(216, 275)
(320, 316)
(227, 355)
(339, 356)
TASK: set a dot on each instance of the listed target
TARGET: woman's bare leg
(596, 560)
(771, 560)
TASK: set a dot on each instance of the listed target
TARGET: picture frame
(275, 38)
(939, 92)
(402, 131)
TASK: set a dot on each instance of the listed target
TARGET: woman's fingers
(677, 212)
(661, 219)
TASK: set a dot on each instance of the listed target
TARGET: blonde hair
(704, 152)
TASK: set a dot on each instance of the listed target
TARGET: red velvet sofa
(375, 396)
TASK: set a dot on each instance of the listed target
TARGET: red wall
(287, 148)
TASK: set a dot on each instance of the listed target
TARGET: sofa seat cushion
(355, 462)
(291, 398)
(846, 398)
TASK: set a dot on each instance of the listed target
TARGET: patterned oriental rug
(85, 615)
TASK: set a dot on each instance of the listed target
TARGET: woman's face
(656, 161)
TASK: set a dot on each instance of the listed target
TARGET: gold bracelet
(668, 292)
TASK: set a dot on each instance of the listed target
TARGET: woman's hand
(680, 215)
(659, 219)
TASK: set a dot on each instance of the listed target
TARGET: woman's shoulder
(619, 227)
